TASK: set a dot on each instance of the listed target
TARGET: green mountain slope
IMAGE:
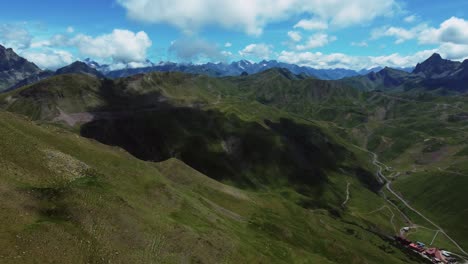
(277, 133)
(67, 199)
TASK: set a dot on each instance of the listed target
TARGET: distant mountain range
(433, 74)
(223, 69)
(232, 69)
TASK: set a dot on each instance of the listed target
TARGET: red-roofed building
(431, 252)
(438, 254)
(416, 247)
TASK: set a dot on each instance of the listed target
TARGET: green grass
(442, 206)
(285, 125)
(122, 209)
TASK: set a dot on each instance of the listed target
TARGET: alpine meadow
(203, 131)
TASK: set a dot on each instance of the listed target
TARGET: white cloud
(454, 51)
(120, 45)
(191, 49)
(339, 60)
(252, 16)
(262, 51)
(359, 44)
(316, 41)
(295, 36)
(131, 65)
(453, 30)
(228, 45)
(226, 53)
(410, 19)
(70, 29)
(400, 34)
(312, 24)
(49, 59)
(15, 36)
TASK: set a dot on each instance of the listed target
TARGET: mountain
(274, 162)
(385, 79)
(223, 69)
(14, 68)
(79, 67)
(76, 68)
(74, 200)
(436, 67)
(434, 74)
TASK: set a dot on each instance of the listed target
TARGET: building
(416, 247)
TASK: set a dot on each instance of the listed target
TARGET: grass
(125, 210)
(286, 125)
(438, 204)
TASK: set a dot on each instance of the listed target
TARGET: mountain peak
(435, 57)
(14, 68)
(464, 64)
(80, 68)
(435, 65)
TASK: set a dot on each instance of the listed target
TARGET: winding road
(384, 180)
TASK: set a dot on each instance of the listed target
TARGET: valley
(271, 167)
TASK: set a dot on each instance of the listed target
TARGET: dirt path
(347, 195)
(435, 235)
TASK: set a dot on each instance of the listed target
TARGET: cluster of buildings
(433, 254)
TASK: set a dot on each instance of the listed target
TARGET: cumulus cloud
(49, 59)
(311, 24)
(252, 16)
(295, 36)
(452, 30)
(339, 60)
(15, 36)
(454, 51)
(400, 34)
(261, 51)
(192, 49)
(70, 29)
(316, 41)
(120, 45)
(228, 44)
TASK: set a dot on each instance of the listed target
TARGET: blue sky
(352, 34)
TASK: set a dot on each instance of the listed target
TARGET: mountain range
(25, 72)
(434, 74)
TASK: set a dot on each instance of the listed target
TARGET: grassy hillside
(275, 134)
(66, 199)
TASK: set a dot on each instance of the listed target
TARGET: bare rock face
(14, 68)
